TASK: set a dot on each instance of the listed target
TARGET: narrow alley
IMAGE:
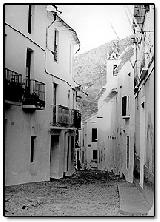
(79, 110)
(86, 193)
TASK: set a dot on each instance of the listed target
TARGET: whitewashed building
(144, 92)
(41, 116)
(88, 144)
(116, 118)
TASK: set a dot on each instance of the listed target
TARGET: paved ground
(86, 193)
(133, 200)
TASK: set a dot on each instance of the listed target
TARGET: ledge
(32, 107)
(126, 117)
(9, 102)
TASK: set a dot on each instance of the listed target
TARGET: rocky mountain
(89, 70)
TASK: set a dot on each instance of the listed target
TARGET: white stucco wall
(89, 146)
(112, 128)
(126, 127)
(21, 125)
(144, 125)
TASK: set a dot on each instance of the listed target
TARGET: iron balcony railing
(65, 117)
(61, 115)
(13, 87)
(34, 93)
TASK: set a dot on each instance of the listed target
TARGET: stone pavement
(133, 200)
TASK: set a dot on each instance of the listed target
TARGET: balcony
(65, 117)
(34, 95)
(13, 89)
(61, 116)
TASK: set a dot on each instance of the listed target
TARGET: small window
(94, 134)
(125, 105)
(56, 39)
(115, 70)
(73, 98)
(32, 148)
(77, 154)
(69, 98)
(30, 18)
(94, 154)
(29, 62)
(82, 156)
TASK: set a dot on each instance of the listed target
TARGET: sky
(93, 22)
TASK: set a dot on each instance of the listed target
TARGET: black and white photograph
(79, 110)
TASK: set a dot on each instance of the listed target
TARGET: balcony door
(29, 66)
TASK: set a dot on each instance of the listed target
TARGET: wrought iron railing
(13, 88)
(34, 93)
(63, 116)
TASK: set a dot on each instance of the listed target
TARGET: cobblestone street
(86, 193)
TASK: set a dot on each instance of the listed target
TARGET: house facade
(88, 143)
(106, 121)
(116, 118)
(41, 117)
(144, 92)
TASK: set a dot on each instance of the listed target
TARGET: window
(29, 62)
(30, 18)
(32, 147)
(127, 151)
(77, 154)
(115, 70)
(82, 156)
(94, 154)
(54, 93)
(73, 98)
(54, 101)
(68, 98)
(56, 39)
(125, 105)
(94, 134)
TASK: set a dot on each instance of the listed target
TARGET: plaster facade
(53, 145)
(115, 130)
(144, 93)
(89, 150)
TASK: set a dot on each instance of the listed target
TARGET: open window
(56, 40)
(127, 144)
(94, 134)
(33, 138)
(30, 18)
(125, 106)
(94, 154)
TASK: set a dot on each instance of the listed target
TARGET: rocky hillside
(90, 72)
